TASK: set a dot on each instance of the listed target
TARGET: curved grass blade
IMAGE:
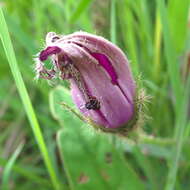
(8, 167)
(7, 44)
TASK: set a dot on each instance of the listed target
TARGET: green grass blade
(7, 44)
(113, 22)
(128, 32)
(173, 66)
(83, 4)
(157, 46)
(8, 167)
(180, 105)
(26, 173)
(178, 14)
(20, 35)
(187, 131)
(181, 137)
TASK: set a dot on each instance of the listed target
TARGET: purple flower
(102, 85)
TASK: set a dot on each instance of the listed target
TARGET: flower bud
(102, 85)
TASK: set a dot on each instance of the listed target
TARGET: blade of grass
(8, 167)
(69, 178)
(173, 66)
(82, 5)
(26, 173)
(141, 15)
(178, 14)
(187, 131)
(157, 45)
(146, 19)
(39, 20)
(147, 167)
(7, 44)
(180, 138)
(20, 35)
(127, 26)
(113, 22)
(181, 98)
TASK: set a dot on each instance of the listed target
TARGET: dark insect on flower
(93, 104)
(102, 85)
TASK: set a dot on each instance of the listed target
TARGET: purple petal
(48, 51)
(115, 110)
(115, 55)
(106, 64)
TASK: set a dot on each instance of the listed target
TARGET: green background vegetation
(45, 147)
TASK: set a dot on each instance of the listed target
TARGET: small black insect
(93, 104)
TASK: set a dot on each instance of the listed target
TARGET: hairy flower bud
(102, 85)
